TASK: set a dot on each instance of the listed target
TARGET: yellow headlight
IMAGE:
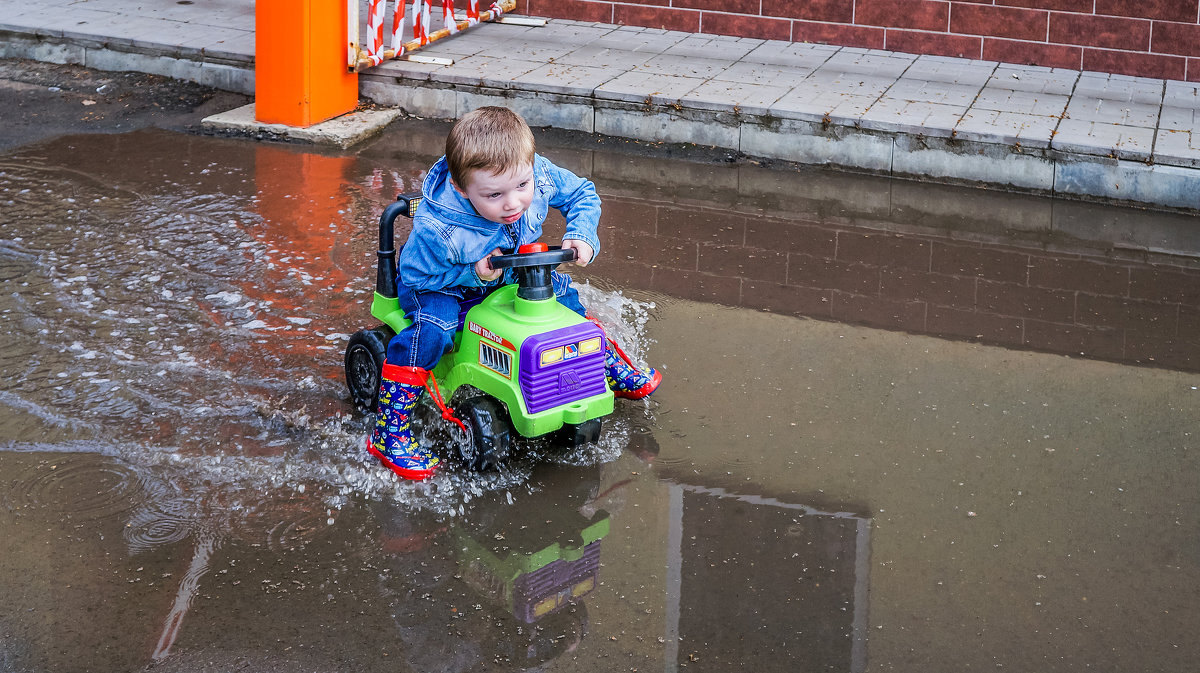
(589, 346)
(545, 607)
(552, 355)
(583, 587)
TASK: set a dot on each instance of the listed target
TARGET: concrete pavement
(1080, 134)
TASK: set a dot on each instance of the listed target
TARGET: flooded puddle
(903, 427)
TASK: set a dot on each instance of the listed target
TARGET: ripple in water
(81, 487)
(288, 529)
(166, 517)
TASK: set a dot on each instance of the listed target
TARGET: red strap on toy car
(615, 346)
(430, 382)
(415, 376)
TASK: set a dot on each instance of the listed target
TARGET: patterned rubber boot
(392, 440)
(625, 379)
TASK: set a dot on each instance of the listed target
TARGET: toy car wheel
(364, 365)
(490, 430)
(576, 436)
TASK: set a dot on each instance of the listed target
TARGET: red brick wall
(1150, 38)
(1070, 303)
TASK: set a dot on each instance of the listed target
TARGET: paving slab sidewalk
(1084, 134)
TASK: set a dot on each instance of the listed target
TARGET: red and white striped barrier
(375, 53)
(375, 14)
(420, 22)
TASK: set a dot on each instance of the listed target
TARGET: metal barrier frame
(358, 59)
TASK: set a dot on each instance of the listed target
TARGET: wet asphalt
(855, 464)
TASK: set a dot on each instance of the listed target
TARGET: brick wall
(1150, 38)
(1077, 304)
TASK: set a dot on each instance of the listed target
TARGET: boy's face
(499, 197)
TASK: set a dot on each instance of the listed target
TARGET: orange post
(300, 75)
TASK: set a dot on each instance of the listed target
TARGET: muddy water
(904, 428)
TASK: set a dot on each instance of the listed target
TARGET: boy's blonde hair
(491, 138)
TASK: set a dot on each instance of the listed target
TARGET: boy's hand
(483, 268)
(583, 251)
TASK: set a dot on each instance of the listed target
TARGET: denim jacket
(448, 236)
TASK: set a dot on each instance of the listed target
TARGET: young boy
(488, 194)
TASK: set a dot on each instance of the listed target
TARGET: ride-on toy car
(523, 360)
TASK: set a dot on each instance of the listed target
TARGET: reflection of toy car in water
(537, 582)
(503, 589)
(538, 367)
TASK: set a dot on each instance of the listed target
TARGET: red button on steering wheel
(537, 246)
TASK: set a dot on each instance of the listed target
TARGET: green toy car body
(530, 362)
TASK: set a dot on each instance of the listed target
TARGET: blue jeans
(435, 319)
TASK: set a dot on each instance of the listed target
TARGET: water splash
(172, 329)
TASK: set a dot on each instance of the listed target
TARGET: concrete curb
(224, 71)
(344, 131)
(900, 153)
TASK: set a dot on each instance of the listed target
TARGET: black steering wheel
(520, 260)
(534, 262)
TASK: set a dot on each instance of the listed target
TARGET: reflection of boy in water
(489, 193)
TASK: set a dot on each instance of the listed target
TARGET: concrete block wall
(1147, 38)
